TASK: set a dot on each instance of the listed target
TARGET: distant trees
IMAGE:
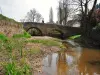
(33, 16)
(51, 16)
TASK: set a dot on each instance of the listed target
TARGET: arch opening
(34, 31)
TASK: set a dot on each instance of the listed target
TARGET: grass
(46, 42)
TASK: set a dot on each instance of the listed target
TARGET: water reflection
(73, 62)
(87, 64)
(61, 64)
(49, 60)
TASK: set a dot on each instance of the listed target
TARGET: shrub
(27, 35)
(24, 35)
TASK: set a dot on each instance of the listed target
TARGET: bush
(27, 35)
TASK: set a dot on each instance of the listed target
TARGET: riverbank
(27, 54)
(20, 53)
(87, 43)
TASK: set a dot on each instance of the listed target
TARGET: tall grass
(10, 44)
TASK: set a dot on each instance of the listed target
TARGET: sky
(17, 9)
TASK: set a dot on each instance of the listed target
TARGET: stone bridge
(51, 29)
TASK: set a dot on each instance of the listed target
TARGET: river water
(72, 61)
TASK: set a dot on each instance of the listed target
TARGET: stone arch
(56, 33)
(34, 31)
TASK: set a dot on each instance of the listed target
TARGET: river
(72, 61)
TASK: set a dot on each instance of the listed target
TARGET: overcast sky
(17, 9)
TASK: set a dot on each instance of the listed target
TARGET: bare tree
(51, 15)
(66, 11)
(87, 19)
(60, 13)
(33, 16)
(38, 17)
(22, 20)
(63, 11)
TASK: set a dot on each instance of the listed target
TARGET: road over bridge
(50, 29)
